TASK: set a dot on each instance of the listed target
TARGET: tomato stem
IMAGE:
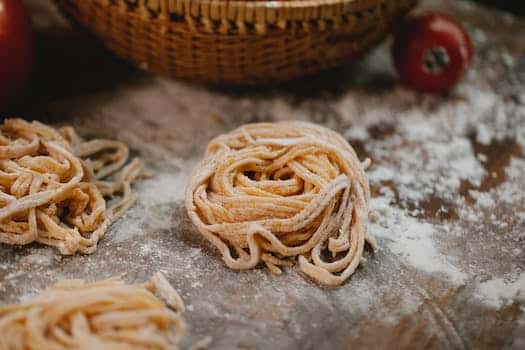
(435, 60)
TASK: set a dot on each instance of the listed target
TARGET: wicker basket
(237, 42)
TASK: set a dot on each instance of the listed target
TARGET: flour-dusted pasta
(54, 186)
(272, 192)
(109, 315)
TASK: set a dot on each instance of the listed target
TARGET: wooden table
(447, 180)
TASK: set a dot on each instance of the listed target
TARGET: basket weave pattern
(239, 42)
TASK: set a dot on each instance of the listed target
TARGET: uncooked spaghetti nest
(272, 192)
(106, 315)
(54, 186)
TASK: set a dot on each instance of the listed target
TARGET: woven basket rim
(262, 11)
(284, 4)
(274, 4)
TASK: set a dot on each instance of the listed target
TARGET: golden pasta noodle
(107, 315)
(54, 186)
(272, 192)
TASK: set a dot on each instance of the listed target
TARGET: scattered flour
(499, 292)
(357, 132)
(411, 239)
(431, 155)
(515, 169)
(483, 199)
(163, 187)
(510, 190)
(157, 198)
(381, 173)
(483, 135)
(39, 257)
(521, 216)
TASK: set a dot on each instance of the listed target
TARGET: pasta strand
(54, 186)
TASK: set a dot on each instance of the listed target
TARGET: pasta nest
(271, 192)
(54, 186)
(107, 314)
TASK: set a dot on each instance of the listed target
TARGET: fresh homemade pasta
(54, 186)
(107, 314)
(268, 193)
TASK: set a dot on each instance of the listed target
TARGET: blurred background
(89, 63)
(515, 6)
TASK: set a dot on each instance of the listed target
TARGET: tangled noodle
(271, 192)
(54, 186)
(101, 315)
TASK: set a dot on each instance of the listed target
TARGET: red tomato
(16, 49)
(432, 52)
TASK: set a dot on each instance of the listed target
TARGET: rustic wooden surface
(447, 180)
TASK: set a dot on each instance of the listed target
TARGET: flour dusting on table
(499, 292)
